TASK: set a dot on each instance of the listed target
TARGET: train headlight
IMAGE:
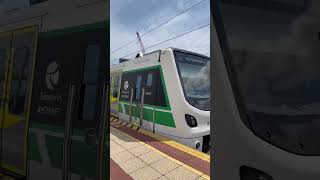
(248, 173)
(191, 121)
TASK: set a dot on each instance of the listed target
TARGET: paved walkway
(139, 154)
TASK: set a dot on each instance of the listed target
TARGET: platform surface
(139, 154)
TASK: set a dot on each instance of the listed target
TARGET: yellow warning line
(172, 143)
(199, 173)
(112, 114)
(177, 145)
(134, 127)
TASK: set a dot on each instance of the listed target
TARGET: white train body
(166, 102)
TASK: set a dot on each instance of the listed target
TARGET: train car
(266, 89)
(166, 92)
(53, 61)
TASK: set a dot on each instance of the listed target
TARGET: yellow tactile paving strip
(141, 161)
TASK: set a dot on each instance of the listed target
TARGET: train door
(116, 77)
(136, 109)
(144, 99)
(147, 99)
(138, 97)
(70, 106)
(17, 60)
(91, 107)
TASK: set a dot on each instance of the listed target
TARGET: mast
(141, 44)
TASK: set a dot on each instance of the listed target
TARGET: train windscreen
(274, 48)
(194, 75)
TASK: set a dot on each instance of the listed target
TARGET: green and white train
(266, 89)
(166, 92)
(53, 86)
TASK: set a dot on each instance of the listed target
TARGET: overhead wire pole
(185, 33)
(163, 23)
(141, 44)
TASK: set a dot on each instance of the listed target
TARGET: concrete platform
(139, 154)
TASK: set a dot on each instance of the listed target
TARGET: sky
(129, 16)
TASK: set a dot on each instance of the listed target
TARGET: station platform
(136, 153)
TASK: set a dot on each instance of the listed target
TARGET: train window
(138, 87)
(149, 80)
(89, 102)
(90, 80)
(194, 76)
(20, 73)
(91, 64)
(275, 69)
(154, 87)
(116, 86)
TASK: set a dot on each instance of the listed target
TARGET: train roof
(189, 52)
(118, 66)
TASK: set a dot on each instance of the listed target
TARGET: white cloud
(197, 41)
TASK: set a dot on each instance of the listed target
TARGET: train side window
(138, 87)
(149, 80)
(160, 92)
(116, 86)
(90, 82)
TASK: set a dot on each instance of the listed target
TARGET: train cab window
(275, 69)
(194, 76)
(20, 73)
(138, 87)
(149, 80)
(90, 82)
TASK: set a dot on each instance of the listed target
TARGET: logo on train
(52, 75)
(126, 85)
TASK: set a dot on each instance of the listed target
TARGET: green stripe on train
(34, 152)
(120, 108)
(161, 117)
(84, 165)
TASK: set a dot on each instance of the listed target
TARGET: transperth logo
(52, 75)
(126, 85)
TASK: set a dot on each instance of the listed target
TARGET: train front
(193, 71)
(266, 89)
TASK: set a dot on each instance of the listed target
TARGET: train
(54, 85)
(265, 77)
(166, 92)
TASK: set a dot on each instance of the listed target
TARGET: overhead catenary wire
(161, 24)
(182, 12)
(146, 26)
(170, 39)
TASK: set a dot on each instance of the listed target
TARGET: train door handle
(91, 136)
